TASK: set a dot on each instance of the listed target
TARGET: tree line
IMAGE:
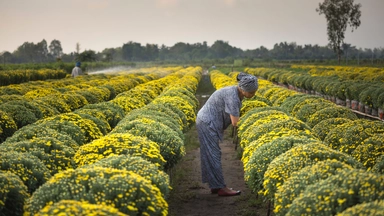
(41, 52)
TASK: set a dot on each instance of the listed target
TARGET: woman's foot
(228, 192)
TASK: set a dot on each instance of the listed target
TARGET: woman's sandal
(224, 193)
(216, 190)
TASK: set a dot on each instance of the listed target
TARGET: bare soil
(191, 197)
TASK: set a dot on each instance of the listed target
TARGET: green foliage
(265, 154)
(29, 168)
(370, 150)
(113, 113)
(331, 112)
(297, 158)
(374, 208)
(339, 192)
(78, 208)
(35, 131)
(379, 166)
(347, 137)
(300, 180)
(126, 191)
(171, 145)
(20, 114)
(54, 154)
(82, 130)
(291, 102)
(7, 126)
(323, 128)
(13, 194)
(139, 166)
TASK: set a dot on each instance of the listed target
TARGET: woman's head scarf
(247, 82)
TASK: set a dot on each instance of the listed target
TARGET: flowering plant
(29, 168)
(139, 166)
(366, 208)
(124, 190)
(300, 180)
(265, 153)
(330, 112)
(78, 208)
(323, 128)
(282, 167)
(119, 144)
(339, 192)
(13, 194)
(370, 150)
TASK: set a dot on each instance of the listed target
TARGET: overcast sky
(246, 24)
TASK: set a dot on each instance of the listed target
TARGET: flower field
(99, 143)
(305, 154)
(103, 144)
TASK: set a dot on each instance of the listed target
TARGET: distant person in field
(76, 71)
(221, 109)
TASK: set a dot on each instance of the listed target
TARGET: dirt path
(191, 197)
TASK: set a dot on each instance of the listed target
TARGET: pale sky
(246, 24)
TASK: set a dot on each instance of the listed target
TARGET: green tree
(55, 48)
(87, 56)
(339, 14)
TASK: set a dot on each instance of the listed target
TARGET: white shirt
(76, 71)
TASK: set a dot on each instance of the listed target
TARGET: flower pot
(340, 102)
(374, 112)
(381, 113)
(354, 104)
(367, 110)
(360, 107)
(348, 103)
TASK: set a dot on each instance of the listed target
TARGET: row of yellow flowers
(149, 200)
(26, 103)
(345, 87)
(8, 77)
(277, 146)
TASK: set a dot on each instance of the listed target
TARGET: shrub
(331, 112)
(126, 191)
(305, 111)
(7, 126)
(291, 102)
(112, 112)
(171, 145)
(323, 128)
(28, 167)
(35, 131)
(379, 166)
(369, 150)
(179, 103)
(119, 144)
(374, 208)
(339, 192)
(347, 137)
(139, 166)
(157, 116)
(248, 105)
(85, 129)
(78, 208)
(297, 158)
(171, 110)
(54, 154)
(265, 153)
(13, 194)
(253, 133)
(21, 115)
(300, 180)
